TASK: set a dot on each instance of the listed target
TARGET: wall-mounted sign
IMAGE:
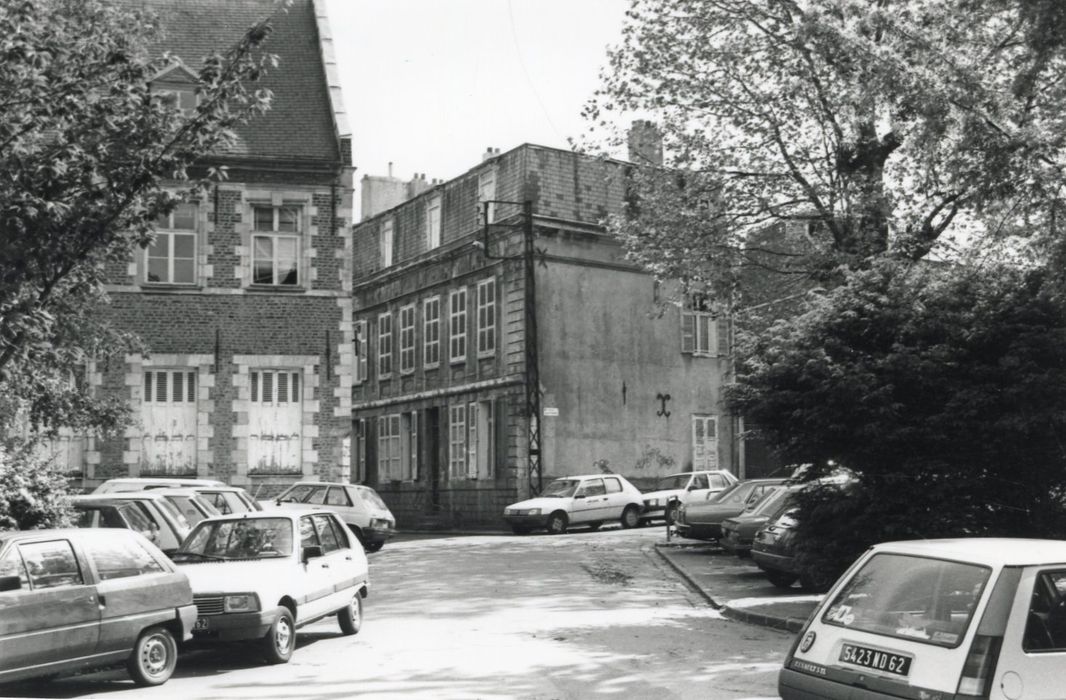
(551, 411)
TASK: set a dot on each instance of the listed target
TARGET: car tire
(630, 517)
(358, 535)
(374, 547)
(594, 526)
(557, 523)
(815, 581)
(350, 617)
(781, 579)
(519, 530)
(280, 641)
(154, 657)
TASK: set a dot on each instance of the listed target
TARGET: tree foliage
(893, 125)
(89, 156)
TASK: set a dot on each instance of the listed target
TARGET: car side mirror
(312, 551)
(10, 583)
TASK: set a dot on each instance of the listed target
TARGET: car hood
(663, 494)
(749, 524)
(542, 503)
(713, 511)
(234, 576)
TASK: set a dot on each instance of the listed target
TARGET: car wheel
(557, 523)
(781, 579)
(358, 535)
(671, 513)
(594, 526)
(374, 547)
(153, 658)
(630, 517)
(815, 581)
(350, 617)
(280, 641)
(519, 530)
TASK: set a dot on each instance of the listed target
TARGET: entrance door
(275, 417)
(168, 415)
(704, 442)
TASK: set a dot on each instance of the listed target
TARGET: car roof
(990, 551)
(585, 476)
(261, 514)
(153, 495)
(320, 483)
(176, 480)
(11, 535)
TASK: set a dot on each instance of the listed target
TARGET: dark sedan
(703, 520)
(738, 533)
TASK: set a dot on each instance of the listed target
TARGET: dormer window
(175, 88)
(178, 99)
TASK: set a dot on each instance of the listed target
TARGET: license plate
(878, 660)
(200, 624)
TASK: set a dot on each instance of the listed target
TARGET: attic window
(175, 98)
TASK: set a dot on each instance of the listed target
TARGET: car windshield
(188, 508)
(561, 488)
(677, 481)
(927, 600)
(771, 501)
(296, 494)
(371, 497)
(734, 493)
(244, 538)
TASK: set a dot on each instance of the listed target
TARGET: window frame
(384, 345)
(457, 440)
(362, 348)
(433, 225)
(431, 340)
(457, 319)
(274, 235)
(390, 448)
(386, 239)
(171, 232)
(407, 339)
(699, 333)
(486, 192)
(486, 318)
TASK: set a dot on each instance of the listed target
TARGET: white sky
(430, 84)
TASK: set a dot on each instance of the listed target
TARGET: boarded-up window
(168, 419)
(275, 419)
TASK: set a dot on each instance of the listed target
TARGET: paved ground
(584, 615)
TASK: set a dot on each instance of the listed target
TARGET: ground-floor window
(168, 420)
(457, 455)
(389, 448)
(275, 419)
(409, 438)
(358, 455)
(704, 442)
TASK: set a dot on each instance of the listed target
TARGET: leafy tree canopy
(89, 157)
(893, 124)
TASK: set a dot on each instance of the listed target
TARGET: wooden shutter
(688, 332)
(724, 341)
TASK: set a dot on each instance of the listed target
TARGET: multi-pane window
(457, 325)
(457, 441)
(275, 245)
(171, 258)
(486, 192)
(386, 243)
(389, 448)
(704, 442)
(169, 422)
(384, 345)
(275, 418)
(471, 440)
(486, 318)
(431, 332)
(409, 426)
(433, 222)
(407, 339)
(699, 333)
(362, 347)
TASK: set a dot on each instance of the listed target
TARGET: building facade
(491, 360)
(244, 298)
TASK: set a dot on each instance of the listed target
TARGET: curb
(786, 624)
(688, 579)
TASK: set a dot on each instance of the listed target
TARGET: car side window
(337, 497)
(135, 519)
(51, 564)
(308, 538)
(341, 532)
(121, 559)
(1045, 627)
(219, 501)
(593, 487)
(317, 497)
(717, 481)
(11, 565)
(699, 481)
(613, 485)
(326, 535)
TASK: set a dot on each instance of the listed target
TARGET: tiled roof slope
(299, 125)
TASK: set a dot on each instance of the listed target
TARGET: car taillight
(979, 666)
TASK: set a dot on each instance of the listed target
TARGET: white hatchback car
(261, 576)
(589, 500)
(359, 507)
(678, 489)
(965, 618)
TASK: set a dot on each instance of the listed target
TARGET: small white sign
(551, 411)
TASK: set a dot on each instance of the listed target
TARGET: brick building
(487, 365)
(244, 299)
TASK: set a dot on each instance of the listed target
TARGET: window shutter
(724, 344)
(471, 440)
(688, 332)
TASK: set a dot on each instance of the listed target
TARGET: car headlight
(243, 602)
(380, 524)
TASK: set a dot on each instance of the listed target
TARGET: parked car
(964, 618)
(228, 499)
(677, 489)
(167, 526)
(189, 502)
(146, 483)
(588, 500)
(702, 520)
(772, 551)
(261, 576)
(358, 507)
(738, 533)
(75, 599)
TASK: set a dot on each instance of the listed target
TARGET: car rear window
(371, 496)
(926, 600)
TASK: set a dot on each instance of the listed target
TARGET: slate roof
(299, 124)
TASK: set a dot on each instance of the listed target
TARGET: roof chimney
(645, 143)
(489, 153)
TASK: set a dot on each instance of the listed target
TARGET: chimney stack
(645, 143)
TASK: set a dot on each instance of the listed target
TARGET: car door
(53, 616)
(698, 488)
(1033, 652)
(590, 502)
(337, 500)
(339, 559)
(315, 598)
(133, 587)
(617, 498)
